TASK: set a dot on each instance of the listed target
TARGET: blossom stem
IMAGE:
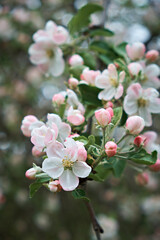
(97, 228)
(104, 136)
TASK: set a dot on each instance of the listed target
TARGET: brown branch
(97, 228)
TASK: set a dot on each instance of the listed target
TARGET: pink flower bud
(136, 50)
(155, 167)
(142, 178)
(109, 104)
(152, 55)
(139, 141)
(82, 153)
(75, 117)
(58, 99)
(73, 82)
(26, 122)
(31, 173)
(74, 135)
(89, 76)
(134, 68)
(76, 60)
(103, 117)
(54, 186)
(36, 152)
(110, 110)
(135, 125)
(110, 148)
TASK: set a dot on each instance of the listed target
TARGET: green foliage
(118, 167)
(80, 194)
(90, 109)
(33, 188)
(102, 171)
(116, 118)
(82, 18)
(89, 59)
(82, 139)
(90, 94)
(76, 71)
(142, 157)
(100, 31)
(121, 49)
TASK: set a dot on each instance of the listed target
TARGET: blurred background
(125, 210)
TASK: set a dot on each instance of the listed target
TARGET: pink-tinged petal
(68, 180)
(54, 118)
(53, 167)
(151, 137)
(65, 131)
(55, 128)
(119, 91)
(152, 70)
(81, 169)
(145, 114)
(134, 68)
(50, 26)
(112, 71)
(57, 64)
(50, 136)
(135, 90)
(102, 81)
(122, 76)
(76, 119)
(130, 105)
(55, 150)
(71, 149)
(60, 36)
(154, 105)
(107, 94)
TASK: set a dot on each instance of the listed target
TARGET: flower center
(67, 163)
(142, 102)
(113, 82)
(50, 53)
(144, 78)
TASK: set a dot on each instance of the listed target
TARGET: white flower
(62, 163)
(142, 102)
(111, 82)
(149, 76)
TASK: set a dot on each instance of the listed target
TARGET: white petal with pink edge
(68, 180)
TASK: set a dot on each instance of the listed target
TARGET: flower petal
(107, 94)
(53, 167)
(55, 149)
(130, 105)
(154, 105)
(65, 131)
(71, 149)
(102, 81)
(57, 64)
(68, 180)
(119, 91)
(81, 169)
(145, 114)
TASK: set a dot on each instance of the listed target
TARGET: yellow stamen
(50, 53)
(142, 102)
(113, 82)
(67, 163)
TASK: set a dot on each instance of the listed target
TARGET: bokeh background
(125, 210)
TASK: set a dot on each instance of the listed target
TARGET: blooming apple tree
(109, 88)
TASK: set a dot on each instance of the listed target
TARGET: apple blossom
(42, 136)
(73, 82)
(155, 167)
(149, 76)
(26, 122)
(36, 152)
(58, 99)
(76, 60)
(111, 82)
(47, 56)
(110, 148)
(62, 129)
(31, 173)
(62, 163)
(152, 55)
(110, 110)
(82, 153)
(150, 142)
(135, 51)
(103, 117)
(142, 102)
(142, 178)
(135, 125)
(134, 68)
(89, 76)
(109, 104)
(54, 186)
(75, 117)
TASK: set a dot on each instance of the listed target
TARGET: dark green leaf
(82, 139)
(142, 157)
(123, 119)
(89, 59)
(90, 109)
(103, 170)
(79, 194)
(76, 71)
(90, 94)
(121, 49)
(42, 177)
(106, 59)
(118, 167)
(82, 18)
(62, 109)
(100, 46)
(101, 32)
(33, 188)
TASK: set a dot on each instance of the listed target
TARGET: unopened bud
(110, 148)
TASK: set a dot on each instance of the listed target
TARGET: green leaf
(118, 167)
(105, 59)
(62, 109)
(116, 118)
(89, 59)
(101, 32)
(121, 49)
(100, 46)
(90, 110)
(76, 71)
(82, 139)
(103, 170)
(142, 157)
(91, 140)
(79, 194)
(33, 188)
(82, 18)
(90, 94)
(42, 177)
